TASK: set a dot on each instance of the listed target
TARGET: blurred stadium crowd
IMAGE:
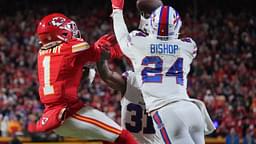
(223, 74)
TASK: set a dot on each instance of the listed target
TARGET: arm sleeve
(91, 54)
(121, 32)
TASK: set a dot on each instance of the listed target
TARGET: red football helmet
(57, 27)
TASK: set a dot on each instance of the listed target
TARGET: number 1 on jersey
(48, 88)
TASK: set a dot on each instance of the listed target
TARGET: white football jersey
(161, 67)
(134, 117)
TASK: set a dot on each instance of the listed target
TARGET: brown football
(148, 6)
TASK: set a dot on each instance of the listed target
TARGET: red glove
(116, 52)
(106, 41)
(117, 4)
(109, 43)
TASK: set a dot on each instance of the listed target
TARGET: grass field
(26, 140)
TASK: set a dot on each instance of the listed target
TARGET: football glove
(109, 44)
(117, 4)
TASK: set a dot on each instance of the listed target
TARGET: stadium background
(223, 74)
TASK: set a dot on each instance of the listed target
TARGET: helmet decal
(177, 19)
(57, 21)
(163, 21)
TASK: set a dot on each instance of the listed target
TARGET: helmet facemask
(68, 30)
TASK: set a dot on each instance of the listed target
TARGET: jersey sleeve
(79, 47)
(122, 35)
(131, 79)
(85, 52)
(192, 47)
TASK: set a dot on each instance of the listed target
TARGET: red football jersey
(60, 71)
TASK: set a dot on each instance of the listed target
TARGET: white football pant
(180, 122)
(90, 124)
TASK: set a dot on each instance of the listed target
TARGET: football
(148, 6)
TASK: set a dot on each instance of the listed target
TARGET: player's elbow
(103, 70)
(105, 74)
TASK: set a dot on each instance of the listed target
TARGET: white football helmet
(165, 22)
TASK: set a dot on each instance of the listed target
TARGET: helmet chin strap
(62, 38)
(50, 45)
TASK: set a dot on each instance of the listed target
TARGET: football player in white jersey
(133, 113)
(161, 63)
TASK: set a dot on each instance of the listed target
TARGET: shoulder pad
(78, 45)
(189, 40)
(193, 47)
(138, 33)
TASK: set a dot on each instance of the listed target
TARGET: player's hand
(117, 4)
(108, 44)
(105, 42)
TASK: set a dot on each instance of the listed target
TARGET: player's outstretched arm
(113, 79)
(110, 49)
(120, 27)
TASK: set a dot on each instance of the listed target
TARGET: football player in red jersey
(60, 62)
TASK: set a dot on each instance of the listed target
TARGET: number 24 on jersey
(155, 74)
